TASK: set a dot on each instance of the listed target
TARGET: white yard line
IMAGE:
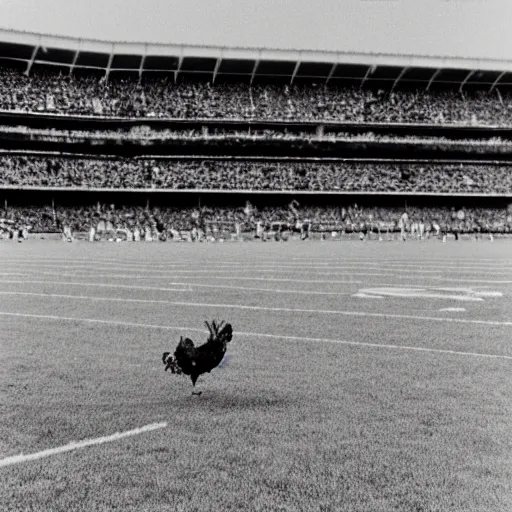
(247, 288)
(276, 309)
(89, 297)
(260, 335)
(221, 266)
(101, 285)
(264, 279)
(399, 272)
(75, 445)
(191, 286)
(270, 290)
(178, 272)
(213, 269)
(420, 266)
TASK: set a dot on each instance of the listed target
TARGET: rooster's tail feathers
(221, 329)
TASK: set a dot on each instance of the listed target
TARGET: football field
(362, 376)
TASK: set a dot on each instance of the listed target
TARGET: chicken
(195, 361)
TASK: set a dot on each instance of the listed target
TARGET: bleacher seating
(46, 91)
(254, 175)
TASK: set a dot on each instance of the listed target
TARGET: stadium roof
(445, 28)
(215, 63)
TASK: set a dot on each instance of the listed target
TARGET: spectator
(47, 91)
(254, 175)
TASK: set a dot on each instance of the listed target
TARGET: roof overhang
(26, 49)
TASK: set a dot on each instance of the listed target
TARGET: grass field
(361, 377)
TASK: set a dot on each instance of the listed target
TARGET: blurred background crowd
(171, 221)
(163, 98)
(46, 91)
(248, 175)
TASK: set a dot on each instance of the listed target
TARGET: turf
(325, 401)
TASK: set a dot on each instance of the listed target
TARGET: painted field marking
(264, 267)
(277, 257)
(75, 445)
(361, 295)
(276, 309)
(191, 287)
(455, 310)
(101, 285)
(226, 270)
(264, 279)
(339, 263)
(430, 287)
(270, 290)
(182, 273)
(462, 294)
(481, 293)
(228, 266)
(258, 335)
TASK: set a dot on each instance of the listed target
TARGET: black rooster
(195, 361)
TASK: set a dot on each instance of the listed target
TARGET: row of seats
(45, 91)
(254, 175)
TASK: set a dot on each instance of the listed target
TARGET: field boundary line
(177, 274)
(240, 267)
(259, 335)
(117, 276)
(300, 260)
(75, 445)
(224, 270)
(202, 285)
(215, 286)
(101, 285)
(267, 308)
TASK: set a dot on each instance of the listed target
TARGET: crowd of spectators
(210, 174)
(146, 135)
(213, 220)
(162, 97)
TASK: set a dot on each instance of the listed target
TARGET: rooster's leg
(194, 380)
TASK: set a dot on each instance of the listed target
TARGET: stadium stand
(248, 175)
(54, 92)
(90, 94)
(342, 218)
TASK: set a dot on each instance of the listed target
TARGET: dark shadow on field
(214, 399)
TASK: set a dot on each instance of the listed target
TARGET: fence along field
(326, 401)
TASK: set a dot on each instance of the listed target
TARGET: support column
(109, 63)
(331, 72)
(432, 78)
(75, 58)
(495, 83)
(180, 62)
(295, 72)
(31, 61)
(398, 78)
(256, 64)
(141, 67)
(370, 69)
(216, 70)
(468, 76)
